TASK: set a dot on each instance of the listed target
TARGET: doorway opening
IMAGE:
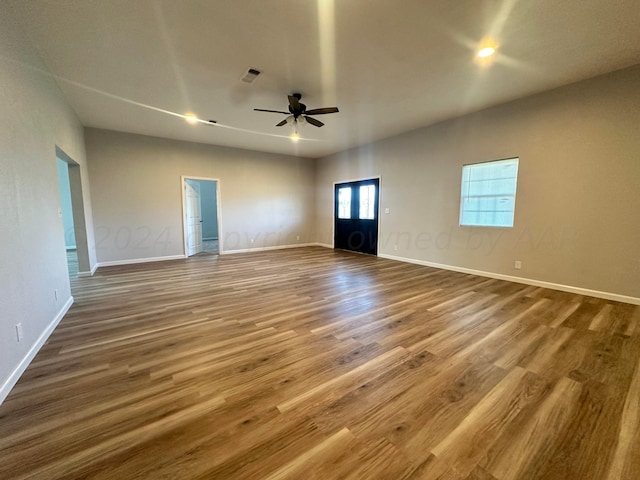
(72, 213)
(356, 216)
(67, 217)
(201, 216)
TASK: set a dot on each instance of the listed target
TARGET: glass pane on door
(367, 202)
(344, 202)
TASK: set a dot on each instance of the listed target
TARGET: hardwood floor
(318, 364)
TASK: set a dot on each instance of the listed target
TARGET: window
(344, 202)
(367, 201)
(489, 193)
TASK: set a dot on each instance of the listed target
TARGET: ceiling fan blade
(272, 111)
(313, 121)
(283, 122)
(294, 102)
(322, 111)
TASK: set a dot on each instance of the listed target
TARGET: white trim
(527, 281)
(325, 245)
(276, 247)
(184, 211)
(361, 179)
(71, 248)
(139, 260)
(14, 376)
(89, 273)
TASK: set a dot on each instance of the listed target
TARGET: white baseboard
(263, 249)
(13, 378)
(71, 248)
(210, 238)
(89, 273)
(139, 260)
(178, 257)
(325, 245)
(527, 281)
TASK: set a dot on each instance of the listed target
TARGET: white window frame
(508, 193)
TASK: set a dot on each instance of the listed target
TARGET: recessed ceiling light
(191, 118)
(486, 52)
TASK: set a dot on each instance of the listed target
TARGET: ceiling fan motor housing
(298, 112)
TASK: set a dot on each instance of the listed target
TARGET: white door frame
(194, 221)
(183, 179)
(78, 212)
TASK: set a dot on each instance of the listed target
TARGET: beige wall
(577, 219)
(35, 119)
(137, 199)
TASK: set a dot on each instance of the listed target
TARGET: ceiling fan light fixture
(298, 112)
(295, 136)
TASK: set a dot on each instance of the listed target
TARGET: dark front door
(356, 216)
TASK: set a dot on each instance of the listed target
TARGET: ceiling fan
(298, 112)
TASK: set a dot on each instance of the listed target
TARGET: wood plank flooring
(318, 364)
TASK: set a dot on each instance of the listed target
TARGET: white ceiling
(389, 65)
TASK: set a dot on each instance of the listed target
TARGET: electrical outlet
(395, 248)
(19, 333)
(297, 237)
(252, 240)
(386, 210)
(518, 265)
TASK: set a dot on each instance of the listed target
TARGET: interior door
(356, 216)
(194, 217)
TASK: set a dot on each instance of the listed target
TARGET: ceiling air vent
(250, 75)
